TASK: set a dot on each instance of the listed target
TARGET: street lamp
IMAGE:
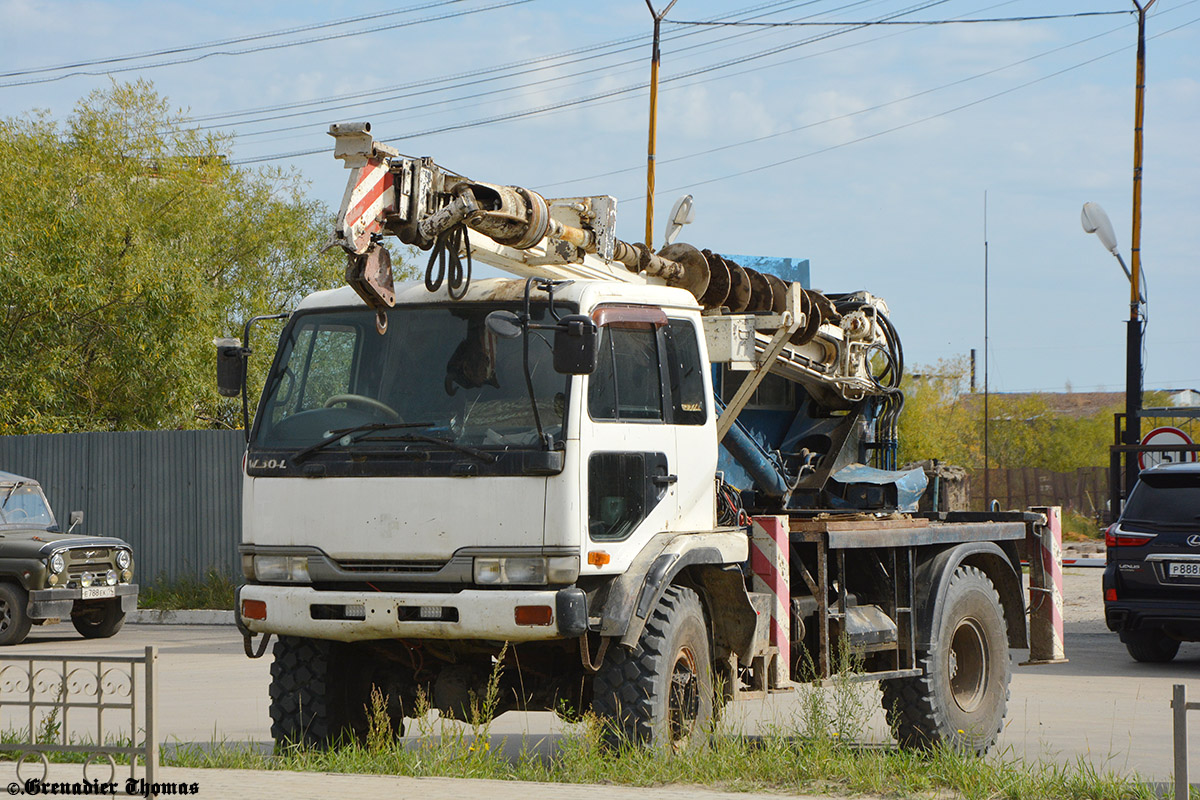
(1095, 221)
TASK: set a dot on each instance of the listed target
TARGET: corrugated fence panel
(176, 496)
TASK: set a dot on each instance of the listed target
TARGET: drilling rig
(641, 483)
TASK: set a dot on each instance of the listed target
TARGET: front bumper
(469, 614)
(57, 603)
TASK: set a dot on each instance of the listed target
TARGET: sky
(867, 149)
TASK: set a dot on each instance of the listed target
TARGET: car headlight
(536, 571)
(57, 563)
(124, 559)
(85, 580)
(111, 577)
(276, 569)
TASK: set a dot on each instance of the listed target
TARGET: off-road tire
(308, 703)
(961, 698)
(98, 620)
(661, 692)
(1151, 646)
(14, 615)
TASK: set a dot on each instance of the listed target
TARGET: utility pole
(1133, 339)
(654, 59)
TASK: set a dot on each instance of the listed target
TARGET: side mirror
(504, 324)
(575, 345)
(231, 367)
(76, 520)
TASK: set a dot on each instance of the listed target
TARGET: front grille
(96, 560)
(392, 566)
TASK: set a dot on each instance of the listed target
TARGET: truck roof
(584, 293)
(10, 477)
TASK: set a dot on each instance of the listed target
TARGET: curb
(199, 616)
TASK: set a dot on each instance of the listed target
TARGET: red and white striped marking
(370, 193)
(1045, 592)
(769, 549)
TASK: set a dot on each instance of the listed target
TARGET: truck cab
(442, 488)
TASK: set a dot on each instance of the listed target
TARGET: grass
(816, 755)
(214, 590)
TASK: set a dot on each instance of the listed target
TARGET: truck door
(689, 412)
(630, 465)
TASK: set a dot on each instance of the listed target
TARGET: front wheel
(961, 699)
(98, 620)
(661, 692)
(14, 618)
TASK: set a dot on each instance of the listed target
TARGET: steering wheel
(364, 402)
(17, 513)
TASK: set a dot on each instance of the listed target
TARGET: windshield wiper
(12, 489)
(364, 429)
(482, 455)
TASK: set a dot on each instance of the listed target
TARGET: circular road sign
(1165, 435)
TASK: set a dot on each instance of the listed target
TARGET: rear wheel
(961, 699)
(14, 616)
(98, 620)
(1151, 646)
(661, 692)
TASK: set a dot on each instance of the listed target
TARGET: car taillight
(1110, 595)
(1115, 537)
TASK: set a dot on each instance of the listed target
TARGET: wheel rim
(683, 700)
(5, 616)
(968, 664)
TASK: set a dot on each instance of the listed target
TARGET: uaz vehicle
(1152, 580)
(47, 575)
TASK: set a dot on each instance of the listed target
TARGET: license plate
(98, 592)
(1183, 569)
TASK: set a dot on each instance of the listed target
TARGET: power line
(540, 61)
(492, 92)
(840, 117)
(222, 42)
(264, 48)
(599, 95)
(912, 122)
(904, 22)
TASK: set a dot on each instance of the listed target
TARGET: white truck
(655, 481)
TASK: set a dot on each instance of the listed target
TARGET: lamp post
(1096, 221)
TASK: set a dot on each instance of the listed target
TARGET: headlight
(85, 580)
(274, 569)
(536, 571)
(124, 559)
(111, 578)
(57, 564)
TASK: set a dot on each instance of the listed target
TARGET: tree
(943, 420)
(129, 243)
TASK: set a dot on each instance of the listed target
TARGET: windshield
(24, 505)
(437, 373)
(1169, 499)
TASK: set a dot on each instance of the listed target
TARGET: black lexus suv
(1152, 578)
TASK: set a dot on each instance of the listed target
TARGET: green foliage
(214, 590)
(943, 420)
(128, 244)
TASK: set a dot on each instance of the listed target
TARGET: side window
(685, 372)
(622, 491)
(627, 383)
